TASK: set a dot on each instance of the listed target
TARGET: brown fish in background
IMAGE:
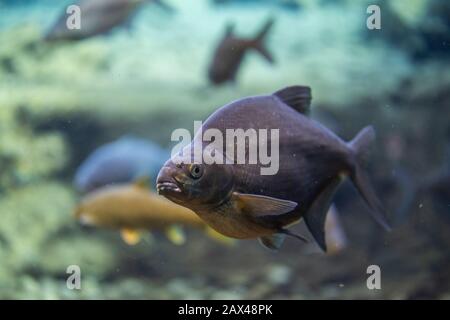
(133, 208)
(239, 202)
(98, 17)
(230, 53)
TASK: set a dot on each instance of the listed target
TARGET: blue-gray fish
(239, 202)
(120, 161)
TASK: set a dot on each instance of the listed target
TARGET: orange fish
(133, 208)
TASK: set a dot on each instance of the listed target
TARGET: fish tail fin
(258, 42)
(360, 146)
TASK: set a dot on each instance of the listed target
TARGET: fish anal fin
(272, 242)
(260, 206)
(297, 97)
(316, 215)
(294, 235)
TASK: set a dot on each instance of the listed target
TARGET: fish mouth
(167, 186)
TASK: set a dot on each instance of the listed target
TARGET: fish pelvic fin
(272, 242)
(130, 236)
(258, 42)
(296, 97)
(360, 146)
(213, 234)
(294, 235)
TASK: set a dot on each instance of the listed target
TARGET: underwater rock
(30, 220)
(24, 155)
(279, 275)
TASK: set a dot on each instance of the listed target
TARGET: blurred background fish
(133, 209)
(98, 17)
(123, 160)
(231, 50)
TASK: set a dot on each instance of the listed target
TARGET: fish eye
(196, 171)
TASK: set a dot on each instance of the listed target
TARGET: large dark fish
(120, 161)
(97, 17)
(231, 50)
(239, 202)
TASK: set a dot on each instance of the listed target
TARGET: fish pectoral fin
(316, 215)
(272, 242)
(130, 236)
(297, 97)
(260, 206)
(176, 235)
(220, 237)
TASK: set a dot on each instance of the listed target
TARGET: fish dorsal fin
(260, 206)
(176, 235)
(272, 242)
(142, 182)
(130, 236)
(317, 213)
(297, 97)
